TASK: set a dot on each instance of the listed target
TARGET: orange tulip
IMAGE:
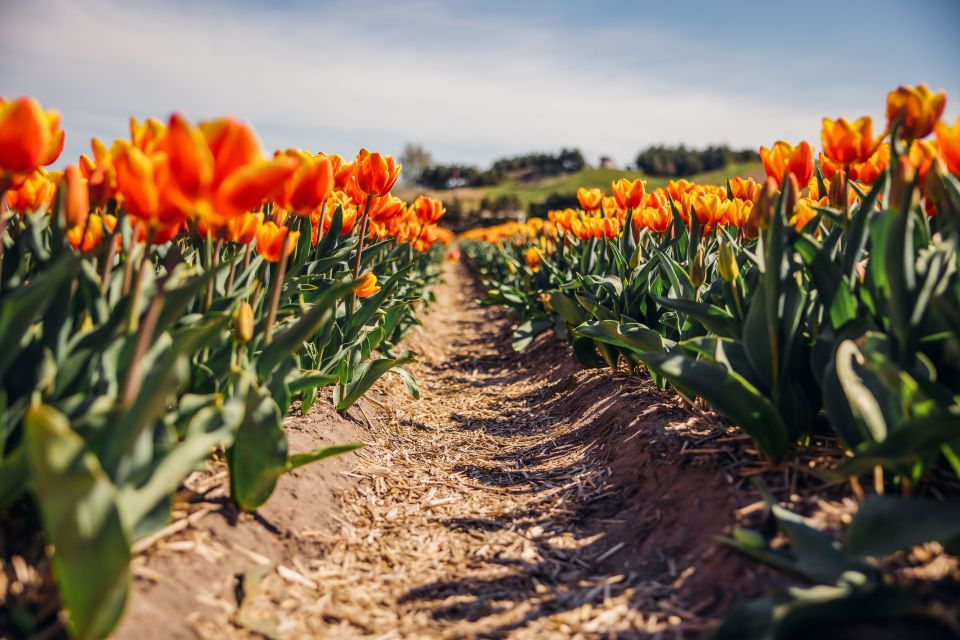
(337, 200)
(78, 197)
(367, 285)
(385, 208)
(375, 173)
(273, 242)
(243, 229)
(745, 189)
(917, 108)
(828, 167)
(146, 185)
(948, 141)
(657, 219)
(847, 142)
(35, 192)
(804, 212)
(922, 155)
(629, 194)
(453, 255)
(146, 136)
(30, 138)
(309, 186)
(707, 207)
(590, 199)
(533, 258)
(217, 168)
(343, 171)
(92, 231)
(868, 172)
(100, 174)
(783, 158)
(428, 210)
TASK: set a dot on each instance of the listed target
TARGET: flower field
(173, 296)
(172, 304)
(819, 307)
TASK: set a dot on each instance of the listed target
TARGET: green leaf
(259, 453)
(632, 336)
(301, 459)
(81, 520)
(730, 394)
(887, 524)
(26, 304)
(291, 338)
(409, 382)
(210, 427)
(712, 317)
(526, 332)
(368, 373)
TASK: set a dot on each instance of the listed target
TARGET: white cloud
(340, 77)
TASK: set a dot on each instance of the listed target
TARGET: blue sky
(476, 80)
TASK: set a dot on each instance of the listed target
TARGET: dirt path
(520, 497)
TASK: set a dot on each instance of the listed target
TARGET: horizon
(474, 82)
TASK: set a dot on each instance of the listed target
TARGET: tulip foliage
(825, 301)
(175, 295)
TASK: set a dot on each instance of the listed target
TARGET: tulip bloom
(273, 242)
(243, 229)
(922, 155)
(590, 199)
(35, 192)
(629, 194)
(917, 108)
(375, 173)
(745, 189)
(845, 142)
(428, 210)
(384, 208)
(217, 169)
(92, 231)
(309, 186)
(367, 285)
(783, 159)
(948, 141)
(868, 172)
(343, 171)
(30, 138)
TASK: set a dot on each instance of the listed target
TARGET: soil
(521, 496)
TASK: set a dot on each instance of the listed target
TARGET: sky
(472, 81)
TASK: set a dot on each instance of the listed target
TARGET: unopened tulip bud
(698, 271)
(727, 262)
(77, 196)
(243, 323)
(933, 182)
(903, 190)
(838, 190)
(793, 194)
(762, 212)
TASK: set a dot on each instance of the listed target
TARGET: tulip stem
(132, 317)
(356, 270)
(275, 285)
(111, 251)
(214, 263)
(232, 274)
(3, 230)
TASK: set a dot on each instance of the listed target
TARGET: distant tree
(670, 161)
(415, 161)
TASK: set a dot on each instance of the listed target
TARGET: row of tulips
(173, 295)
(824, 302)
